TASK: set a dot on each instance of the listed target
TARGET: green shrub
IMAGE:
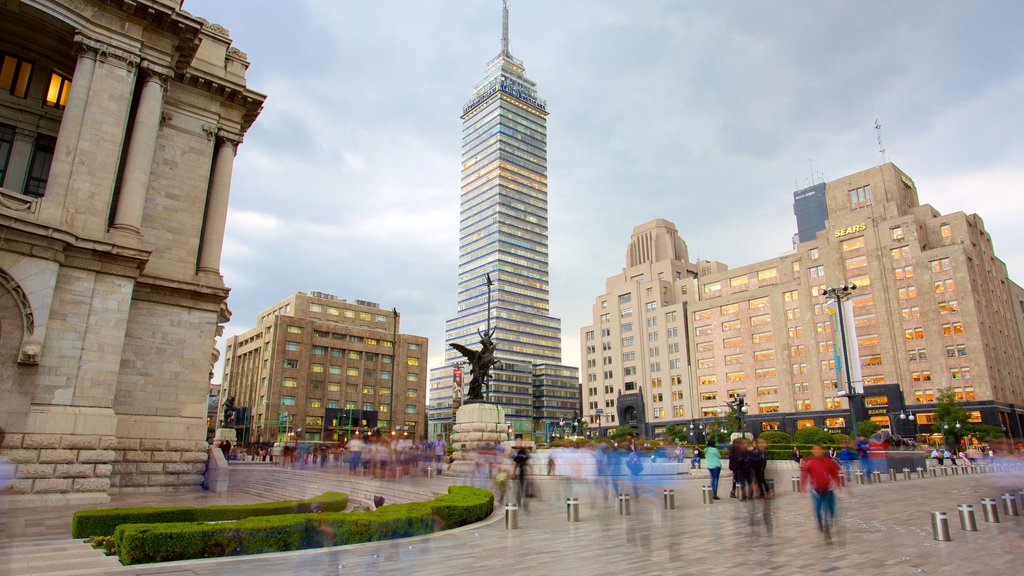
(840, 439)
(812, 436)
(775, 437)
(143, 543)
(103, 522)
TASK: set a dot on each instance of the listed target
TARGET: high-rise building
(503, 243)
(318, 368)
(119, 124)
(933, 309)
(811, 211)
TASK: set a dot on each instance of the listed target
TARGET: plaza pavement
(881, 529)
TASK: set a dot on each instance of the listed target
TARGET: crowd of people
(376, 455)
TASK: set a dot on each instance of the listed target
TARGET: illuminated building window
(853, 244)
(14, 75)
(946, 233)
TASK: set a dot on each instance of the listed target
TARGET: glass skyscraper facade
(504, 218)
(503, 237)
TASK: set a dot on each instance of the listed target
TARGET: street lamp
(838, 295)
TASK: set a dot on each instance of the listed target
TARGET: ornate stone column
(21, 157)
(139, 162)
(217, 204)
(71, 121)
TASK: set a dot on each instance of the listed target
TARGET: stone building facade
(119, 123)
(318, 368)
(933, 309)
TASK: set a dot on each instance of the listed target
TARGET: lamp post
(838, 295)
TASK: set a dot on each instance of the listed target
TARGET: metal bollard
(624, 505)
(945, 471)
(956, 470)
(430, 471)
(920, 473)
(771, 486)
(795, 482)
(511, 516)
(709, 497)
(968, 522)
(988, 506)
(859, 477)
(940, 527)
(934, 473)
(906, 473)
(1010, 504)
(892, 474)
(670, 499)
(876, 476)
(1020, 496)
(572, 509)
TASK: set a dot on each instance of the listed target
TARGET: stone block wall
(146, 464)
(74, 455)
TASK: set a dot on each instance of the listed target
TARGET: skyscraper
(503, 239)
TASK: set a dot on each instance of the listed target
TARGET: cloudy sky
(708, 114)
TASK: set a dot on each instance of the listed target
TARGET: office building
(933, 308)
(317, 368)
(503, 243)
(119, 124)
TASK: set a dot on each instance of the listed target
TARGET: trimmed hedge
(143, 543)
(103, 522)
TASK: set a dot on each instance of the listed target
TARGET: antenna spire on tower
(881, 147)
(504, 28)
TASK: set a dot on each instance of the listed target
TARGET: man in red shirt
(822, 473)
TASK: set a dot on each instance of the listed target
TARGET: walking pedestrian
(822, 473)
(714, 459)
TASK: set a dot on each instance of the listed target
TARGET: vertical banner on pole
(845, 348)
(853, 350)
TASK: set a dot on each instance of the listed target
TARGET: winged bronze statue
(481, 362)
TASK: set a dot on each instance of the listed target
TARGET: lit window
(14, 75)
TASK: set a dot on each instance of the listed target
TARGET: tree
(676, 432)
(948, 414)
(866, 428)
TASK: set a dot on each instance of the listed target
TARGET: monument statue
(481, 362)
(228, 421)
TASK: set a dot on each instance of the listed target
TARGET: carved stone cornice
(105, 52)
(181, 294)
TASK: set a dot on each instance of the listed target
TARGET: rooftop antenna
(881, 147)
(811, 162)
(504, 28)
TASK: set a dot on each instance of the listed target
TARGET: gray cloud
(702, 113)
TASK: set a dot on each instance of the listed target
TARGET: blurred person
(6, 466)
(440, 448)
(695, 459)
(740, 465)
(355, 454)
(864, 456)
(758, 465)
(846, 459)
(822, 474)
(521, 466)
(634, 463)
(714, 459)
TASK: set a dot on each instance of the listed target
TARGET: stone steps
(274, 483)
(27, 556)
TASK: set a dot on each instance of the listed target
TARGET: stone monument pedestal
(478, 426)
(228, 434)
